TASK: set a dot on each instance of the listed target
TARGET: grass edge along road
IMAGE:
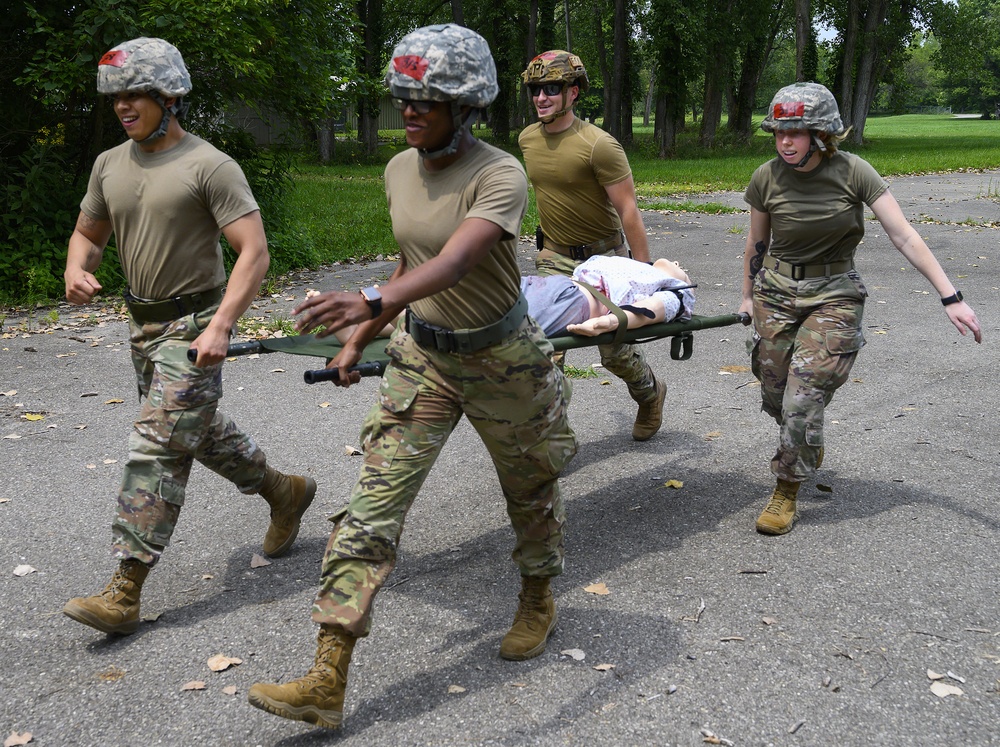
(340, 210)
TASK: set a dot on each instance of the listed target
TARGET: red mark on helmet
(791, 110)
(411, 65)
(115, 58)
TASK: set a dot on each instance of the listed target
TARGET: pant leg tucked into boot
(318, 697)
(116, 609)
(288, 496)
(533, 622)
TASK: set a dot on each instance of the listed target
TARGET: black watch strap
(374, 300)
(949, 300)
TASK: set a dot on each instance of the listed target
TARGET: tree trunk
(602, 59)
(457, 15)
(756, 54)
(845, 78)
(613, 95)
(370, 15)
(650, 95)
(803, 24)
(867, 82)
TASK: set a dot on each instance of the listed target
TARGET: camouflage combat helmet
(556, 66)
(445, 62)
(803, 106)
(449, 63)
(143, 64)
(148, 65)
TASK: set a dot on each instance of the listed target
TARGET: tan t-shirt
(167, 210)
(569, 171)
(427, 208)
(816, 216)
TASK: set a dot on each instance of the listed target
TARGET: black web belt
(804, 272)
(580, 252)
(466, 340)
(149, 312)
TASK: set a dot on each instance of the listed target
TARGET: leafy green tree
(272, 54)
(969, 33)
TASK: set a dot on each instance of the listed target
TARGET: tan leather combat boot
(116, 609)
(318, 697)
(288, 496)
(533, 622)
(650, 415)
(780, 513)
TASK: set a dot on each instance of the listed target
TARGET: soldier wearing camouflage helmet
(467, 347)
(168, 196)
(801, 286)
(586, 202)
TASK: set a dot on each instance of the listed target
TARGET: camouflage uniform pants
(807, 336)
(179, 423)
(515, 398)
(625, 361)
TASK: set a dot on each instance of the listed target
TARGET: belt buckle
(444, 340)
(578, 253)
(798, 272)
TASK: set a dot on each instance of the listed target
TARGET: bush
(43, 203)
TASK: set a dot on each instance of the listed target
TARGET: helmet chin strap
(549, 118)
(462, 126)
(178, 109)
(815, 143)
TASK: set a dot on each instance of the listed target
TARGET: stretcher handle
(372, 368)
(236, 348)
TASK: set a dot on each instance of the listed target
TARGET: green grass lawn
(340, 212)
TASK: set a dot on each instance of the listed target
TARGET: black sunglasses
(549, 89)
(420, 107)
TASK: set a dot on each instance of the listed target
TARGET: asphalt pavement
(698, 628)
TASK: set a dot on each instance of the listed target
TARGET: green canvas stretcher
(374, 360)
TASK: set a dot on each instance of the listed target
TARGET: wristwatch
(949, 300)
(374, 300)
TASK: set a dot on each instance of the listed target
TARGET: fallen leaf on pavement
(675, 484)
(352, 450)
(111, 674)
(16, 740)
(220, 663)
(258, 562)
(111, 461)
(13, 437)
(573, 653)
(277, 370)
(453, 689)
(230, 690)
(33, 416)
(324, 404)
(768, 620)
(11, 393)
(727, 638)
(932, 675)
(943, 691)
(114, 401)
(955, 677)
(604, 667)
(193, 685)
(23, 570)
(601, 589)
